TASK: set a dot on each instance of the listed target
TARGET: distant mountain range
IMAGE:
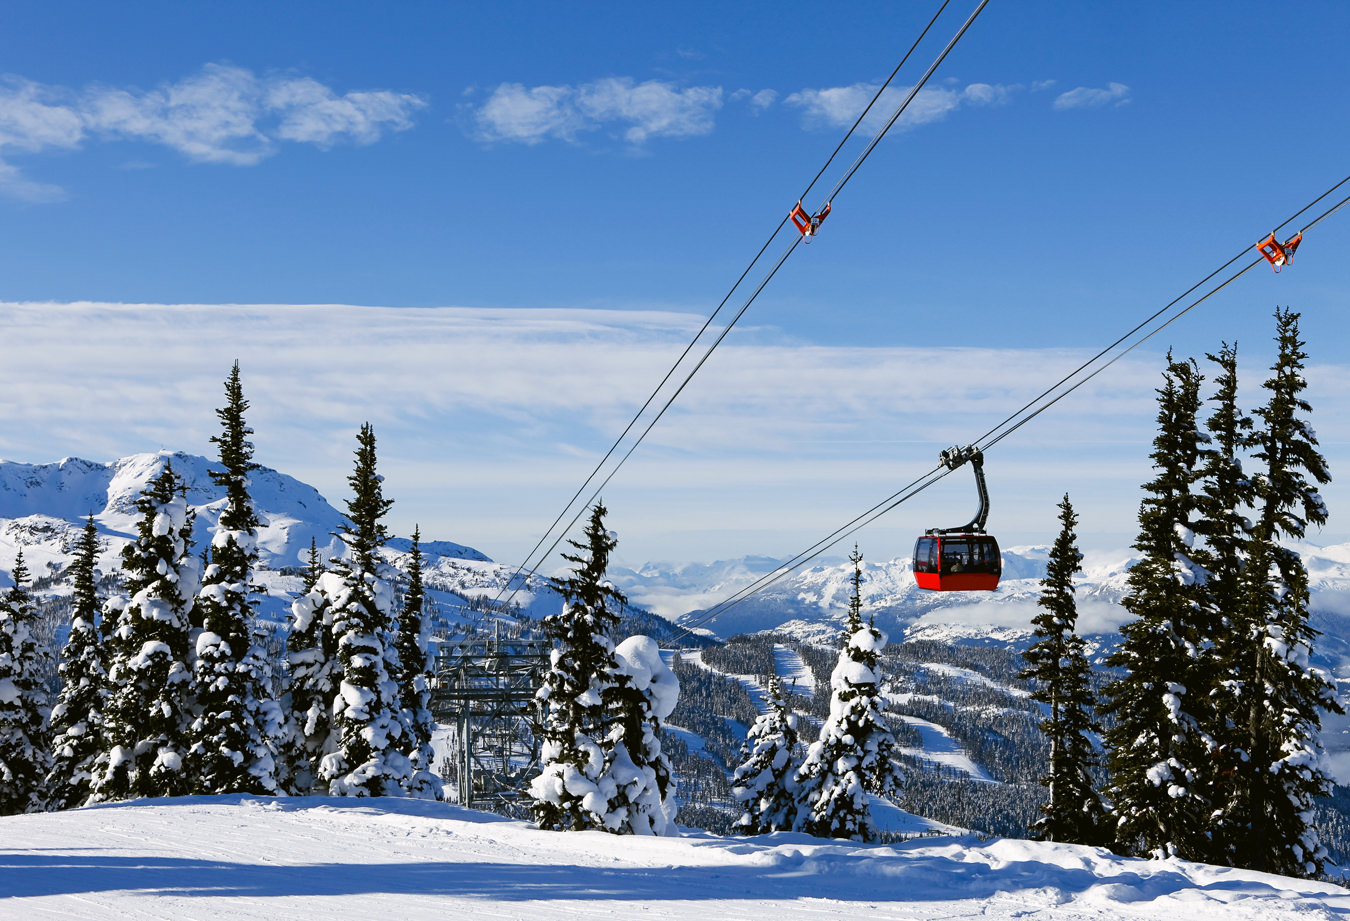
(43, 507)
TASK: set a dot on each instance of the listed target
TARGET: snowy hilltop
(264, 859)
(44, 506)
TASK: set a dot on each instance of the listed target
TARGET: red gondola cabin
(957, 562)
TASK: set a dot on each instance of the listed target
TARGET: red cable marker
(808, 225)
(1277, 254)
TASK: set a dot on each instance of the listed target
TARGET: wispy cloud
(488, 419)
(222, 114)
(839, 106)
(758, 101)
(638, 112)
(1085, 97)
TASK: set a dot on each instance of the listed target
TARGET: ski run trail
(263, 859)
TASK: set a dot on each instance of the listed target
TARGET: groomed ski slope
(400, 860)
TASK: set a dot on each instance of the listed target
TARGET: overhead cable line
(515, 583)
(1017, 419)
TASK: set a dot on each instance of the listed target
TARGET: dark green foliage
(746, 654)
(1277, 769)
(371, 727)
(1161, 755)
(415, 666)
(1056, 662)
(714, 707)
(313, 568)
(233, 737)
(24, 759)
(366, 533)
(77, 718)
(1005, 809)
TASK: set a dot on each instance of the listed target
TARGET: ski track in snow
(941, 749)
(759, 696)
(262, 859)
(966, 674)
(794, 673)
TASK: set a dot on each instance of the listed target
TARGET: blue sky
(1074, 167)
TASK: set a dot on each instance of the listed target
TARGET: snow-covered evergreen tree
(416, 671)
(855, 751)
(232, 741)
(24, 710)
(571, 793)
(1161, 756)
(1057, 664)
(1227, 496)
(77, 718)
(765, 783)
(646, 695)
(371, 727)
(314, 676)
(146, 720)
(1281, 766)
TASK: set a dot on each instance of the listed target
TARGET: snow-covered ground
(260, 859)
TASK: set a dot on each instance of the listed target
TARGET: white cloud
(1084, 97)
(759, 101)
(313, 113)
(222, 114)
(641, 111)
(1038, 86)
(489, 419)
(211, 117)
(838, 107)
(32, 120)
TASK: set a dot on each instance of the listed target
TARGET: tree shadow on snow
(881, 876)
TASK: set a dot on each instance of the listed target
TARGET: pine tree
(578, 689)
(313, 569)
(1057, 664)
(416, 674)
(372, 731)
(233, 739)
(24, 758)
(645, 696)
(1280, 768)
(855, 751)
(1161, 757)
(765, 783)
(77, 718)
(147, 715)
(1227, 495)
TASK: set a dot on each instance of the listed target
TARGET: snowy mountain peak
(42, 507)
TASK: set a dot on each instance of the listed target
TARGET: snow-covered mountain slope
(813, 602)
(261, 859)
(43, 507)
